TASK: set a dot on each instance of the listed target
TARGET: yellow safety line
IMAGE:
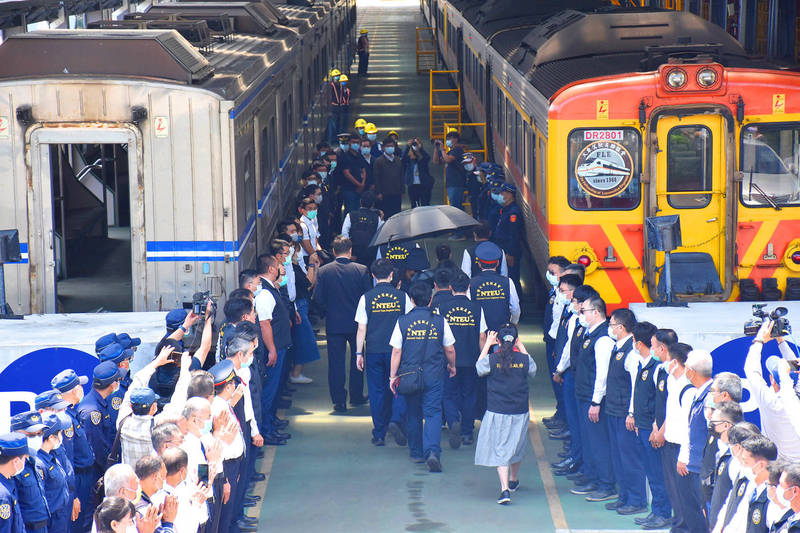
(548, 481)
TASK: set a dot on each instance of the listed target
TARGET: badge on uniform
(721, 469)
(619, 355)
(552, 299)
(512, 218)
(586, 343)
(740, 492)
(661, 385)
(757, 516)
(5, 511)
(69, 432)
(116, 401)
(644, 374)
(95, 417)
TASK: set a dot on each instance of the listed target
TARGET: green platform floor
(330, 478)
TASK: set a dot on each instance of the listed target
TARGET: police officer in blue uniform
(77, 446)
(94, 412)
(498, 298)
(122, 358)
(509, 232)
(488, 173)
(13, 453)
(30, 484)
(53, 473)
(495, 202)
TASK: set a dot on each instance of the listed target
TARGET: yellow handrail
(441, 113)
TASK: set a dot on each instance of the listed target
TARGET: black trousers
(214, 507)
(419, 195)
(391, 204)
(337, 346)
(684, 494)
(230, 512)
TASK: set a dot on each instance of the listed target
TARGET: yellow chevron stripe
(760, 242)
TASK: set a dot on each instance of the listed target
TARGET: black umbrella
(425, 221)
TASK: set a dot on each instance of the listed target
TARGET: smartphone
(202, 473)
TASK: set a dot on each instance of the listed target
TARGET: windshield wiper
(770, 200)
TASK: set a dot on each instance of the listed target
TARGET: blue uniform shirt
(508, 233)
(94, 416)
(76, 443)
(55, 479)
(115, 400)
(10, 515)
(66, 464)
(31, 493)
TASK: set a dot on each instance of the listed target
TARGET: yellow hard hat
(451, 130)
(363, 31)
(361, 123)
(334, 72)
(370, 128)
(344, 77)
(392, 132)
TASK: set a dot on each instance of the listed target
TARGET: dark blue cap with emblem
(54, 423)
(30, 421)
(488, 252)
(129, 342)
(105, 374)
(13, 445)
(509, 187)
(103, 342)
(175, 318)
(50, 399)
(113, 352)
(66, 380)
(222, 372)
(143, 397)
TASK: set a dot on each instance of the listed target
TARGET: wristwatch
(595, 404)
(359, 353)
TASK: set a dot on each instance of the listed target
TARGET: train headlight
(706, 77)
(791, 257)
(585, 260)
(676, 78)
(796, 258)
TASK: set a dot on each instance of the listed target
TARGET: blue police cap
(175, 318)
(496, 182)
(66, 380)
(468, 156)
(53, 423)
(30, 421)
(105, 373)
(488, 252)
(113, 352)
(129, 342)
(50, 399)
(509, 187)
(143, 397)
(222, 372)
(13, 445)
(104, 341)
(486, 167)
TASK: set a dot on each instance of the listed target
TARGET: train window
(604, 169)
(509, 122)
(264, 153)
(770, 162)
(250, 204)
(530, 157)
(285, 120)
(689, 166)
(542, 172)
(291, 118)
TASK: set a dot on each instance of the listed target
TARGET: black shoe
(269, 440)
(644, 519)
(257, 476)
(252, 498)
(455, 435)
(358, 401)
(467, 440)
(582, 490)
(657, 522)
(613, 506)
(562, 464)
(513, 485)
(630, 509)
(561, 435)
(278, 423)
(504, 498)
(281, 435)
(578, 478)
(434, 465)
(249, 503)
(397, 433)
(246, 526)
(289, 389)
(416, 460)
(571, 469)
(249, 520)
(340, 408)
(378, 442)
(602, 496)
(552, 421)
(564, 455)
(284, 403)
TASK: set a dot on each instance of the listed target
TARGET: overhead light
(706, 77)
(676, 78)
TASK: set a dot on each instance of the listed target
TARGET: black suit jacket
(340, 285)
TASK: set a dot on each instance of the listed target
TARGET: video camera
(201, 301)
(780, 324)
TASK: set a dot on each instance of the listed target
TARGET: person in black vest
(555, 308)
(376, 314)
(626, 451)
(498, 298)
(468, 325)
(360, 227)
(643, 415)
(661, 341)
(721, 423)
(340, 285)
(421, 341)
(469, 261)
(503, 437)
(591, 370)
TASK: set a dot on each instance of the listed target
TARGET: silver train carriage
(141, 166)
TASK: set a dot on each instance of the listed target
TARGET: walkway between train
(330, 478)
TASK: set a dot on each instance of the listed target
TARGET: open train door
(693, 160)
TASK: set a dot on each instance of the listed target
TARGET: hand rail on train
(445, 103)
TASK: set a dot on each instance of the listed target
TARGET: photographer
(454, 173)
(776, 418)
(416, 165)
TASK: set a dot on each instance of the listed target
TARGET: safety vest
(363, 223)
(585, 364)
(464, 318)
(644, 396)
(490, 290)
(618, 384)
(384, 304)
(422, 331)
(507, 390)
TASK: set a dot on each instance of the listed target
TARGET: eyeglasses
(613, 325)
(582, 311)
(717, 422)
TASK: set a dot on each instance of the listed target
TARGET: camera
(780, 324)
(201, 301)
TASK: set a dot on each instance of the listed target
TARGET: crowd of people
(638, 409)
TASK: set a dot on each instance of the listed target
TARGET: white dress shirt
(190, 516)
(361, 310)
(249, 415)
(397, 337)
(264, 303)
(603, 347)
(558, 309)
(310, 232)
(676, 428)
(235, 449)
(564, 361)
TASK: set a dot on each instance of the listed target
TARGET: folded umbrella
(425, 221)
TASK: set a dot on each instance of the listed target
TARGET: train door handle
(712, 219)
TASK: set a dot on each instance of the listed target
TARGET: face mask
(311, 215)
(19, 470)
(611, 333)
(322, 153)
(123, 372)
(469, 167)
(573, 309)
(288, 260)
(652, 353)
(497, 198)
(138, 496)
(208, 425)
(748, 473)
(361, 131)
(389, 150)
(561, 299)
(372, 136)
(449, 143)
(583, 321)
(712, 429)
(552, 279)
(312, 182)
(323, 175)
(355, 146)
(246, 364)
(318, 198)
(35, 442)
(780, 492)
(344, 147)
(365, 150)
(333, 165)
(344, 84)
(283, 282)
(297, 237)
(58, 441)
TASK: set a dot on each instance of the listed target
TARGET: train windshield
(604, 168)
(770, 155)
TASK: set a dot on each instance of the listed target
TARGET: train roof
(554, 43)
